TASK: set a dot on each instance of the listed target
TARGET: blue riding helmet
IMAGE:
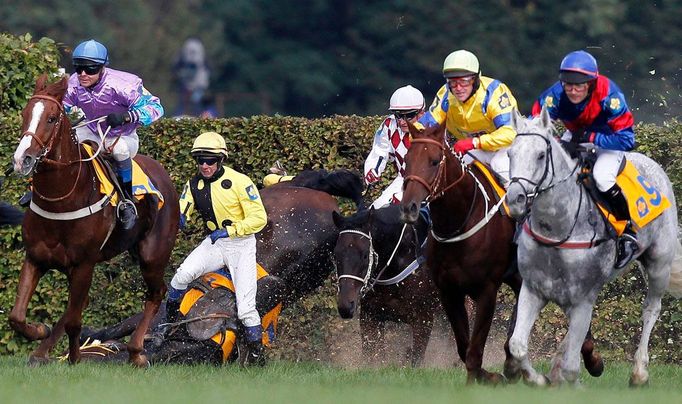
(578, 67)
(92, 51)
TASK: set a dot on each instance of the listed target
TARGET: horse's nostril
(520, 198)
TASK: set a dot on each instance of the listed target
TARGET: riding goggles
(90, 70)
(405, 116)
(207, 160)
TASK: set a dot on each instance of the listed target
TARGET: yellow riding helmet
(460, 63)
(209, 143)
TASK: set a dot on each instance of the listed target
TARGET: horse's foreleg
(81, 279)
(421, 332)
(580, 317)
(650, 313)
(529, 307)
(593, 360)
(453, 304)
(510, 371)
(42, 353)
(28, 280)
(485, 309)
(156, 288)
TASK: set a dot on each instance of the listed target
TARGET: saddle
(645, 202)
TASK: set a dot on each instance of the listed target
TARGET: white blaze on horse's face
(25, 143)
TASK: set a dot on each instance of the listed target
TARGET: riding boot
(255, 354)
(127, 212)
(172, 310)
(626, 245)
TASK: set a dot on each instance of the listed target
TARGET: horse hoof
(36, 361)
(596, 367)
(637, 381)
(140, 361)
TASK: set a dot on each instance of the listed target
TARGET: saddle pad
(492, 179)
(645, 202)
(142, 185)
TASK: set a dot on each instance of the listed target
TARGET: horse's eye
(51, 120)
(435, 162)
(541, 156)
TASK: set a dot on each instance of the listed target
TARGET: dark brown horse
(77, 228)
(470, 250)
(379, 266)
(296, 245)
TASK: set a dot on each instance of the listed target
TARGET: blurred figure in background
(192, 77)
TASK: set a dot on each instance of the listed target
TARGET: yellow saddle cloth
(492, 179)
(645, 202)
(228, 337)
(142, 185)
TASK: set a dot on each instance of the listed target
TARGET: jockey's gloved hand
(582, 136)
(116, 120)
(220, 233)
(464, 145)
(371, 177)
(571, 148)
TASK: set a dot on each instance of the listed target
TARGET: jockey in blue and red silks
(100, 91)
(593, 109)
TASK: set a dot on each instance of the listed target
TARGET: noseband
(440, 179)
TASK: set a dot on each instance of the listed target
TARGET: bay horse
(470, 249)
(380, 268)
(566, 255)
(77, 228)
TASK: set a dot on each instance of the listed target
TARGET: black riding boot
(172, 311)
(127, 212)
(627, 245)
(255, 354)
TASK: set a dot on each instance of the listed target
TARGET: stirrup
(626, 249)
(123, 206)
(278, 169)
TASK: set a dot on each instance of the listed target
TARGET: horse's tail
(675, 285)
(342, 182)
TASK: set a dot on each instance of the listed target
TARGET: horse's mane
(388, 215)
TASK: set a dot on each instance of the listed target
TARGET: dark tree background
(317, 58)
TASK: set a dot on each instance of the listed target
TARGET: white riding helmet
(406, 98)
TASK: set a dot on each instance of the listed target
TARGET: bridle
(46, 146)
(373, 260)
(537, 190)
(439, 185)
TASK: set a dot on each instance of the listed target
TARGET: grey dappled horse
(544, 190)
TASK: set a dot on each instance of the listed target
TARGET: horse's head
(43, 118)
(424, 169)
(355, 259)
(533, 158)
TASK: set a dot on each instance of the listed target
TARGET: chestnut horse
(77, 227)
(469, 250)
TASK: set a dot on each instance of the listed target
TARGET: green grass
(307, 383)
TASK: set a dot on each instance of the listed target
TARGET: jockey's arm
(255, 217)
(145, 108)
(379, 156)
(499, 111)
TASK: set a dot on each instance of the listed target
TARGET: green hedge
(299, 143)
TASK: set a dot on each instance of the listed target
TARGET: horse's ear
(338, 219)
(41, 82)
(516, 119)
(58, 89)
(545, 119)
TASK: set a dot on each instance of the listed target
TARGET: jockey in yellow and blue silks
(232, 211)
(97, 91)
(593, 109)
(476, 110)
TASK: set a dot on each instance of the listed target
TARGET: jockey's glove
(116, 120)
(371, 177)
(464, 145)
(219, 233)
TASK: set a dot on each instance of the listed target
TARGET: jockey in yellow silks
(476, 110)
(232, 210)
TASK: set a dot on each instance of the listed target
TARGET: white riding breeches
(606, 168)
(392, 194)
(125, 148)
(498, 161)
(238, 254)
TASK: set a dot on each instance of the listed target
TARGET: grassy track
(306, 383)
